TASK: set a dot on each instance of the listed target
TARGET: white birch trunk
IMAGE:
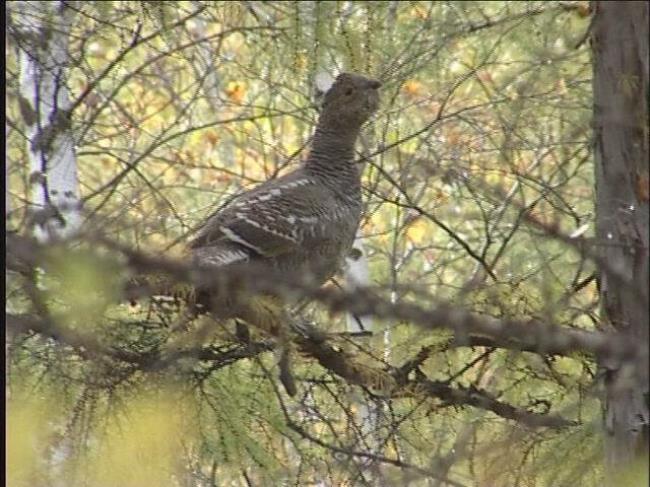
(45, 108)
(357, 276)
(45, 104)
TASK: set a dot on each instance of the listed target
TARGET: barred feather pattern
(304, 223)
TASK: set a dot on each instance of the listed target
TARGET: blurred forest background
(480, 234)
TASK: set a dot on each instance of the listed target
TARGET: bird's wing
(263, 223)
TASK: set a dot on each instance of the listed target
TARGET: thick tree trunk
(620, 49)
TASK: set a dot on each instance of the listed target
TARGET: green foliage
(80, 286)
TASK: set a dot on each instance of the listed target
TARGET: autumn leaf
(453, 137)
(211, 137)
(189, 155)
(419, 12)
(441, 197)
(222, 177)
(583, 9)
(236, 91)
(417, 231)
(434, 107)
(413, 88)
(300, 61)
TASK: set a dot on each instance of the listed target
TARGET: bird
(302, 224)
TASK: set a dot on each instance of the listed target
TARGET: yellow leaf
(420, 12)
(417, 231)
(413, 88)
(301, 61)
(236, 91)
(441, 197)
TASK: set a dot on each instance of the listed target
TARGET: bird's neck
(332, 154)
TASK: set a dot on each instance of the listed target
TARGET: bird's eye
(349, 91)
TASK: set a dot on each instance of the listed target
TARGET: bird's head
(350, 101)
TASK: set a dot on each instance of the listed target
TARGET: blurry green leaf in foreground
(142, 444)
(30, 424)
(81, 283)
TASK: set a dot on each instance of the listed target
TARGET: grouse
(302, 224)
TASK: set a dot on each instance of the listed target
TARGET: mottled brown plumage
(302, 224)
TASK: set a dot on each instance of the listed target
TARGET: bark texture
(620, 49)
(45, 104)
